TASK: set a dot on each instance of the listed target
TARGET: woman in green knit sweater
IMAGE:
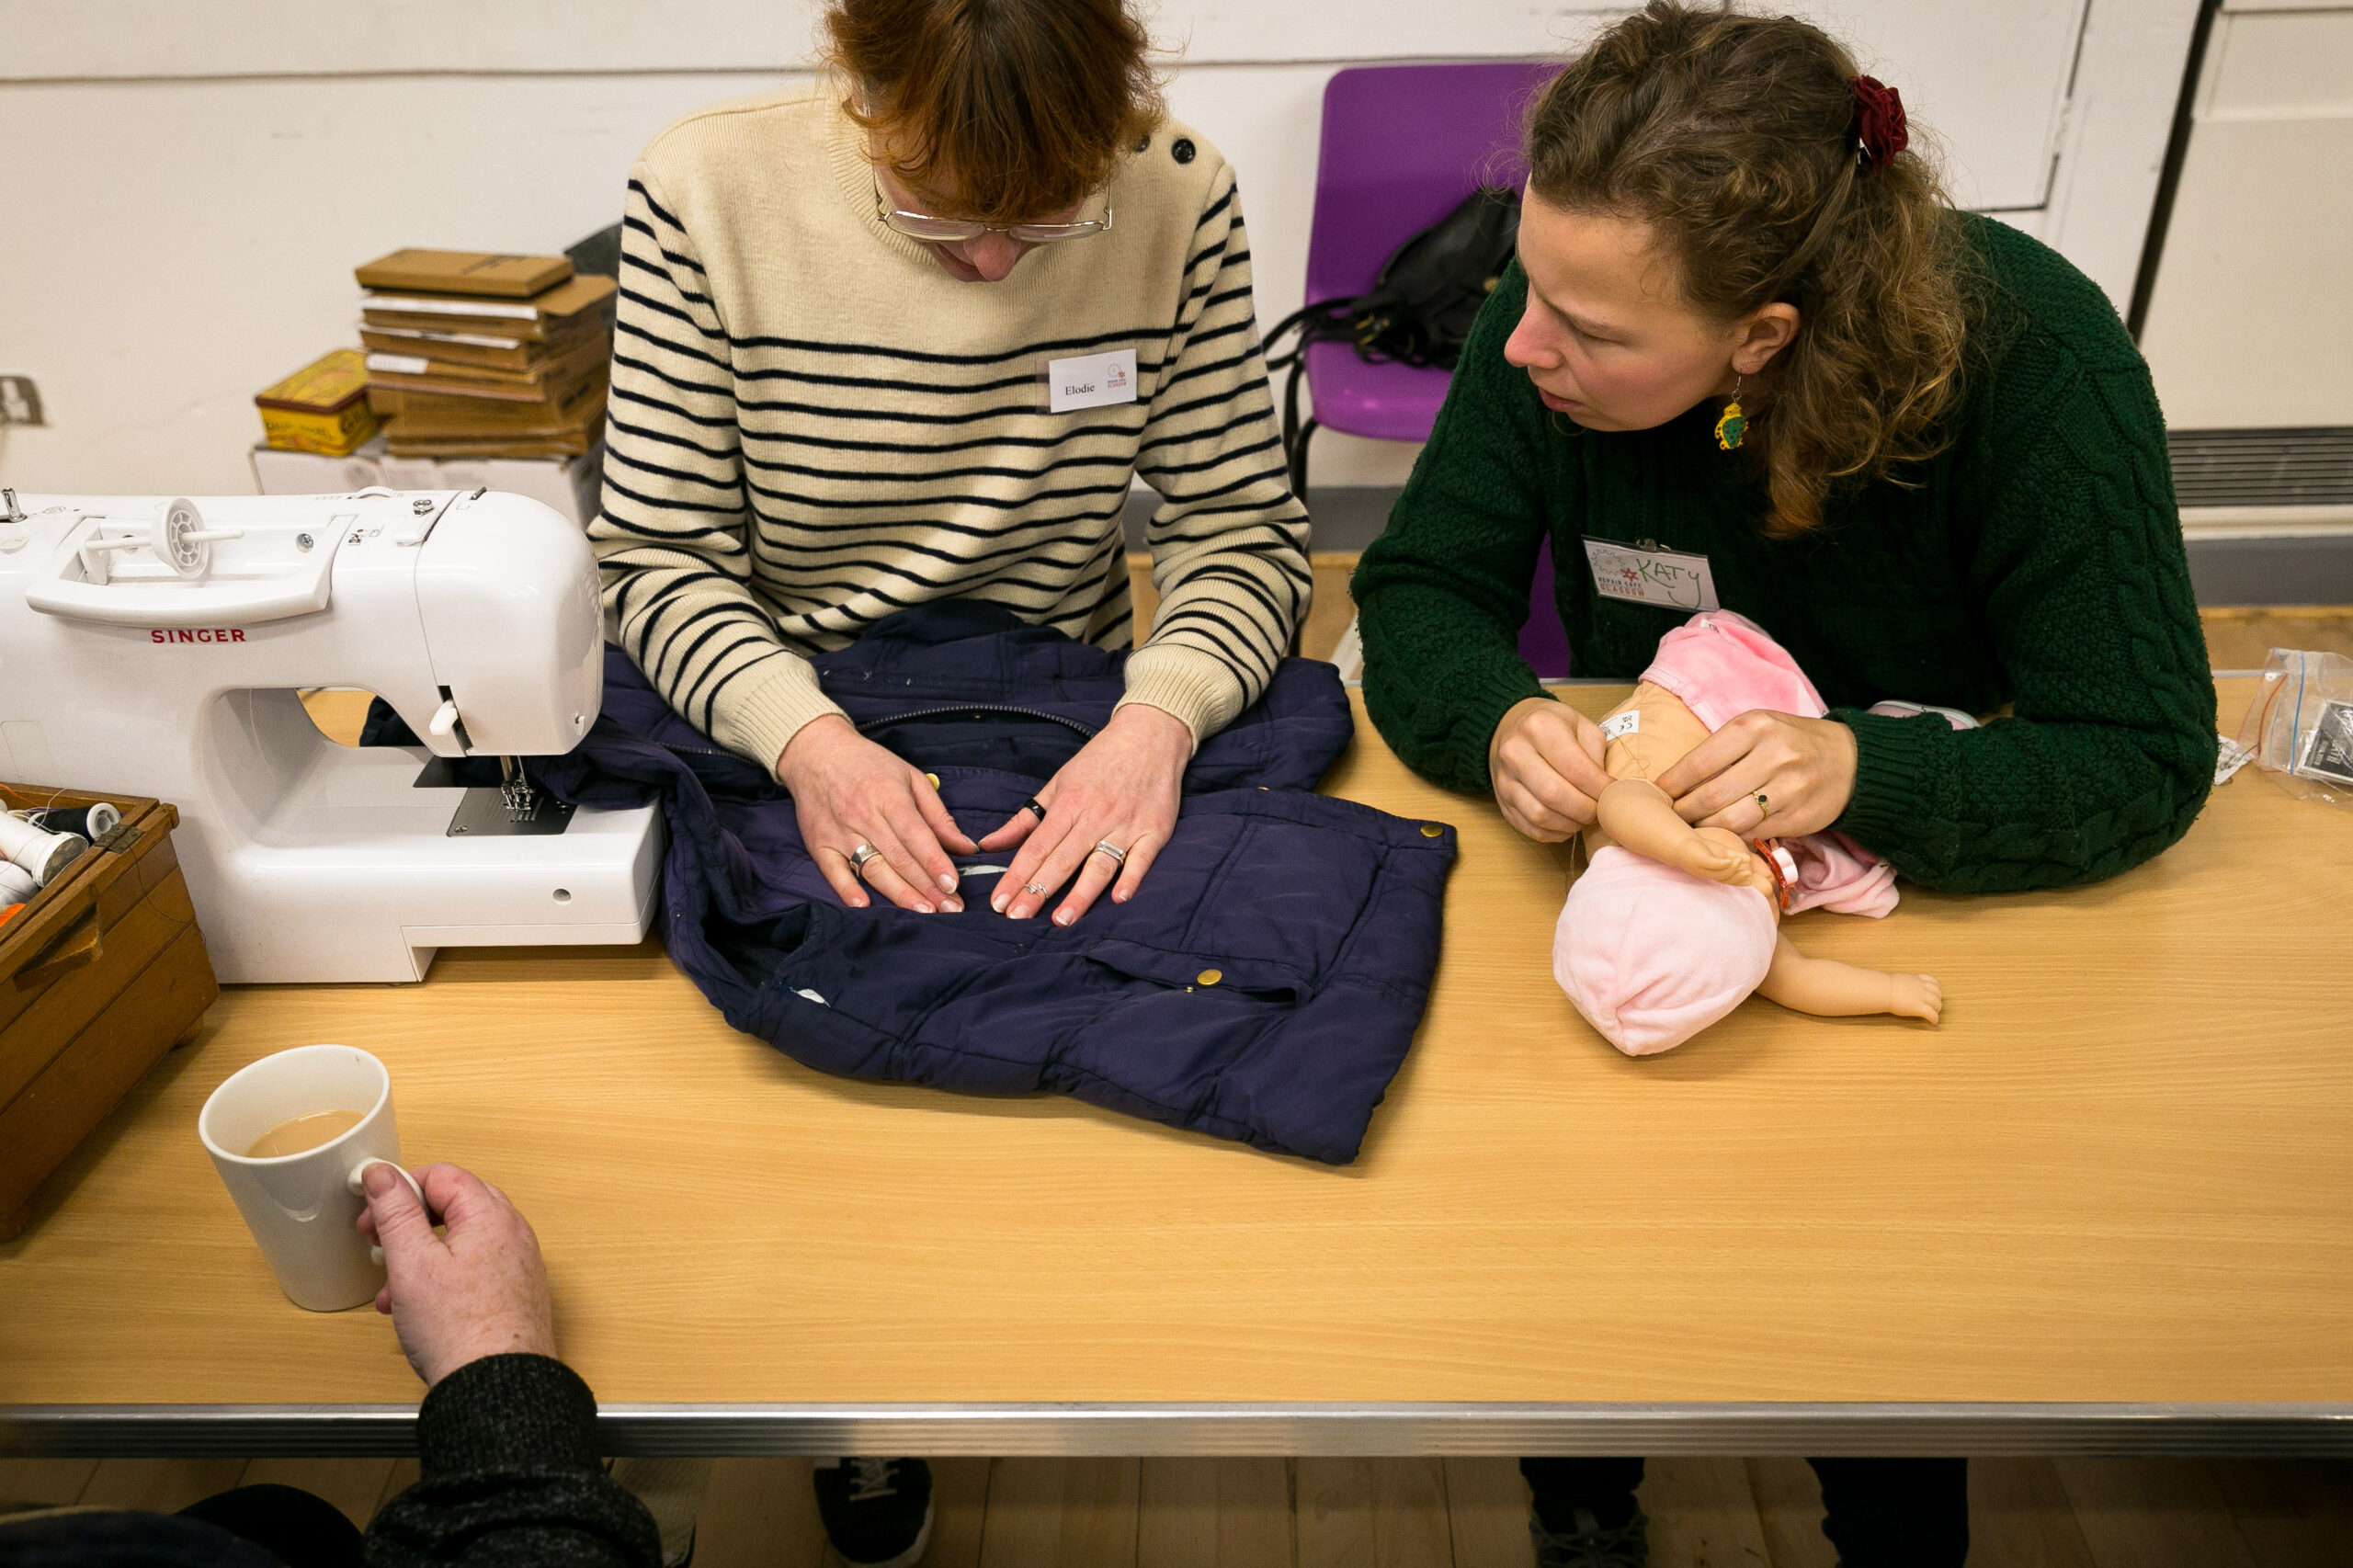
(1750, 357)
(1951, 487)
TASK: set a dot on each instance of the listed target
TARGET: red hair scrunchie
(1879, 120)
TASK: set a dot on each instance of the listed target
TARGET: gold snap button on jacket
(1210, 976)
(1433, 830)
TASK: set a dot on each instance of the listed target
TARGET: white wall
(2251, 323)
(202, 177)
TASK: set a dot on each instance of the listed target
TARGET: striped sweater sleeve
(671, 537)
(1229, 541)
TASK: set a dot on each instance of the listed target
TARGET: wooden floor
(1417, 1513)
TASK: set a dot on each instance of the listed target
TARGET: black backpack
(1418, 313)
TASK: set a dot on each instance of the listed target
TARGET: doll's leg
(1637, 814)
(1831, 990)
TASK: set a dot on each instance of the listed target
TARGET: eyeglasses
(923, 226)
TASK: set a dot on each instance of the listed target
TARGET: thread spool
(91, 822)
(17, 884)
(38, 851)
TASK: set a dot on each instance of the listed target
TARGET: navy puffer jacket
(1263, 984)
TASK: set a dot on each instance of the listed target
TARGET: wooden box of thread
(102, 971)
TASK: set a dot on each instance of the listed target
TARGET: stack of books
(472, 355)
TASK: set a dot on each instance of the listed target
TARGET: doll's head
(1651, 955)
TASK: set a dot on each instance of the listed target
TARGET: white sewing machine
(155, 646)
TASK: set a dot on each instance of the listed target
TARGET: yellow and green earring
(1733, 425)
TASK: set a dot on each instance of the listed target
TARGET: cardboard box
(321, 407)
(101, 973)
(280, 473)
(572, 485)
(542, 316)
(551, 381)
(464, 272)
(464, 415)
(477, 347)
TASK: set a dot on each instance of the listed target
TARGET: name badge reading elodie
(1091, 382)
(1651, 575)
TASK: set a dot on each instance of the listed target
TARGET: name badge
(1645, 575)
(1092, 381)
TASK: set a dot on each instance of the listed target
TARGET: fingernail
(953, 906)
(946, 882)
(1064, 917)
(922, 909)
(997, 904)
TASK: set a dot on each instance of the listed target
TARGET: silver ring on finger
(859, 857)
(1119, 855)
(1038, 888)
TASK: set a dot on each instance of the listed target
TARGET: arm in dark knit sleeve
(2109, 751)
(1441, 594)
(512, 1478)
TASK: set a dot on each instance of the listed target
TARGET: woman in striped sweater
(849, 317)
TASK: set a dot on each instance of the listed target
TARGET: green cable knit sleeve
(2109, 749)
(1441, 594)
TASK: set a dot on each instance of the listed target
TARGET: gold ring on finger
(1762, 805)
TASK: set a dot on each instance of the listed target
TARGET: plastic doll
(1671, 926)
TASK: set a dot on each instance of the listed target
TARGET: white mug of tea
(292, 1134)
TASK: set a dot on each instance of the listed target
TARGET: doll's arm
(1829, 989)
(1637, 814)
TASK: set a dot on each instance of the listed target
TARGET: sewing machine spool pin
(178, 537)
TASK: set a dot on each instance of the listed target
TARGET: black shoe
(877, 1512)
(1590, 1546)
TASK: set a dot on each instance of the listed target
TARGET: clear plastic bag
(2300, 727)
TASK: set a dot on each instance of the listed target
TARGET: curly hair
(1734, 138)
(1019, 107)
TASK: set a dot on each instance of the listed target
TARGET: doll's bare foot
(1915, 996)
(1716, 854)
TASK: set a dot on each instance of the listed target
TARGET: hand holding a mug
(479, 1289)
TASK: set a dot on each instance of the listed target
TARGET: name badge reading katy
(1094, 381)
(1651, 575)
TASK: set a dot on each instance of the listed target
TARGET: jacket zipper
(1085, 730)
(919, 713)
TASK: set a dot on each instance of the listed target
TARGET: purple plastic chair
(1403, 145)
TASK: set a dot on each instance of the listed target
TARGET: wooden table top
(2121, 1170)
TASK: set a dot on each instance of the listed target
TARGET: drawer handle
(78, 947)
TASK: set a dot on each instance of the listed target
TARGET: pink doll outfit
(1651, 955)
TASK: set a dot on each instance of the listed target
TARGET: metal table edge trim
(103, 1430)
